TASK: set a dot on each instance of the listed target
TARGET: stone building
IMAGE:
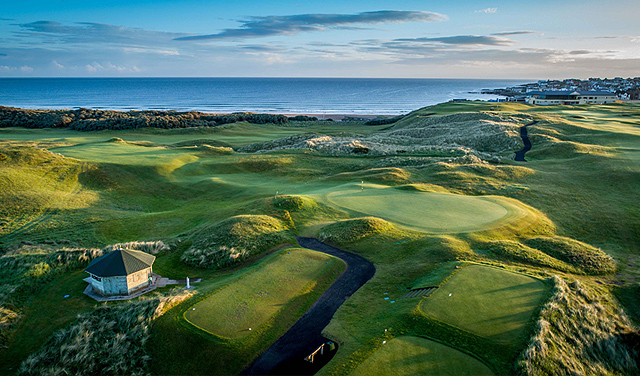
(121, 272)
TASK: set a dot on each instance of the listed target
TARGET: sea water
(224, 95)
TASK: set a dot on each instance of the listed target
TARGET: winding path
(527, 143)
(286, 355)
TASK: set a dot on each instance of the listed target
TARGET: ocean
(223, 95)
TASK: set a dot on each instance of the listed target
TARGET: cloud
(89, 32)
(97, 67)
(267, 26)
(463, 40)
(520, 32)
(57, 65)
(488, 10)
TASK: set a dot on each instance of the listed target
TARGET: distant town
(622, 88)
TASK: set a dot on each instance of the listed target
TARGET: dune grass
(580, 184)
(408, 355)
(486, 301)
(241, 308)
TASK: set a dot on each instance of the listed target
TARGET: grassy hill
(434, 200)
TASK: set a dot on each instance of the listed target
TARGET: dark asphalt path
(286, 354)
(527, 143)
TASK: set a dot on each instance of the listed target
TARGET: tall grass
(234, 240)
(151, 247)
(584, 256)
(581, 331)
(25, 271)
(108, 341)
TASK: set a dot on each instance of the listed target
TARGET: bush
(384, 121)
(354, 229)
(303, 118)
(581, 255)
(93, 120)
(234, 240)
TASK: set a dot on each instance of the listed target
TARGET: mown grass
(488, 302)
(406, 355)
(580, 184)
(242, 307)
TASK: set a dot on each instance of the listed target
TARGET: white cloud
(488, 10)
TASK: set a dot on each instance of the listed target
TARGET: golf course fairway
(257, 297)
(426, 211)
(489, 302)
(409, 355)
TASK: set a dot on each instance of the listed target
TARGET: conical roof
(120, 262)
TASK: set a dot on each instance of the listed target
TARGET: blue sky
(421, 39)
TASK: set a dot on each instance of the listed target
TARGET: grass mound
(515, 251)
(256, 298)
(234, 240)
(293, 203)
(383, 175)
(581, 331)
(407, 355)
(354, 229)
(581, 255)
(489, 302)
(109, 341)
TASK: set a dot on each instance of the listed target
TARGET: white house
(567, 97)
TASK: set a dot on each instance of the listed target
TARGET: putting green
(487, 301)
(408, 355)
(257, 297)
(426, 211)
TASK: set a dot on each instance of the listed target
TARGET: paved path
(286, 355)
(527, 143)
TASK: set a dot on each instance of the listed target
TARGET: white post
(188, 285)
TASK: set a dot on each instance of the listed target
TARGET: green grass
(425, 211)
(489, 302)
(577, 195)
(47, 313)
(255, 298)
(408, 355)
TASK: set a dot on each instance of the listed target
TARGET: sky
(516, 39)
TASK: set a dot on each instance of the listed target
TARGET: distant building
(121, 272)
(568, 97)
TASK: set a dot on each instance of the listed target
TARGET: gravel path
(286, 355)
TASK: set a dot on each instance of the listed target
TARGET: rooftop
(120, 262)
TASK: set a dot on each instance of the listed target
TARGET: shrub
(354, 229)
(581, 255)
(384, 121)
(303, 118)
(234, 240)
